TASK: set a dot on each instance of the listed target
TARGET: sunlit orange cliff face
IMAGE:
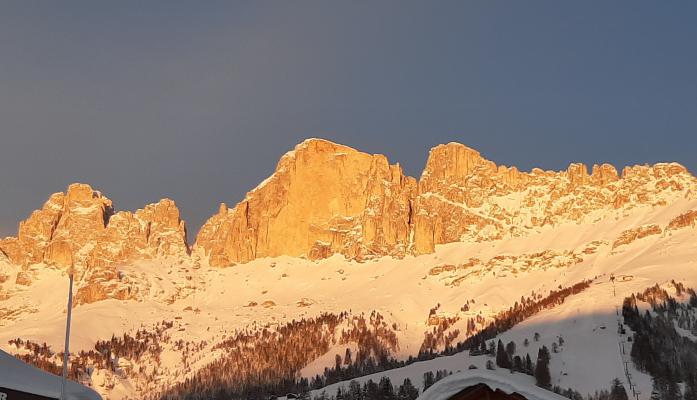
(325, 198)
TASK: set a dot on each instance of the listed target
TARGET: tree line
(669, 356)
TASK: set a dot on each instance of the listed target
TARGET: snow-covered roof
(17, 375)
(454, 384)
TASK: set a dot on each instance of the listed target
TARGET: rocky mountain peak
(325, 198)
(79, 228)
(450, 160)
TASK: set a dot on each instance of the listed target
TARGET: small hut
(486, 385)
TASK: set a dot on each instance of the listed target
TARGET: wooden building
(487, 385)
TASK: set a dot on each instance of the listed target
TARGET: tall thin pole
(66, 349)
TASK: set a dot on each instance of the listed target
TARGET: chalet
(486, 385)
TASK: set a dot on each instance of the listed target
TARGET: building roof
(456, 383)
(19, 376)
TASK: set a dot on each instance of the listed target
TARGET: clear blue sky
(197, 100)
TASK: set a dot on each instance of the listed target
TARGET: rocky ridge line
(79, 229)
(325, 199)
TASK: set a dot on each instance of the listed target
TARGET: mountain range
(325, 198)
(339, 231)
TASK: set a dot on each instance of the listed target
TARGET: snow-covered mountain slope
(201, 306)
(593, 353)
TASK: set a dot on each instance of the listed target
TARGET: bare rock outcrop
(154, 231)
(685, 220)
(60, 229)
(464, 197)
(325, 198)
(322, 199)
(79, 228)
(630, 235)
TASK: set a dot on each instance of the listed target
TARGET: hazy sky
(197, 100)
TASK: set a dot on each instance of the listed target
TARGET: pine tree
(407, 391)
(691, 387)
(618, 391)
(337, 363)
(544, 353)
(492, 349)
(429, 380)
(440, 374)
(660, 389)
(502, 360)
(529, 369)
(673, 390)
(386, 389)
(542, 375)
(371, 391)
(510, 349)
(354, 391)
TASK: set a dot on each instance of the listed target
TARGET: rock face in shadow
(326, 199)
(79, 228)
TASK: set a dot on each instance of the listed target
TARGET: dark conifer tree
(618, 392)
(407, 391)
(673, 390)
(429, 380)
(542, 375)
(510, 349)
(354, 391)
(492, 349)
(502, 360)
(337, 363)
(529, 369)
(691, 387)
(371, 391)
(386, 389)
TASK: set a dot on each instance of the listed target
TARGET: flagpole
(66, 350)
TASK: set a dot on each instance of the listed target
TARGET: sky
(196, 101)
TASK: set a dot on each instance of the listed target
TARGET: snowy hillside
(192, 308)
